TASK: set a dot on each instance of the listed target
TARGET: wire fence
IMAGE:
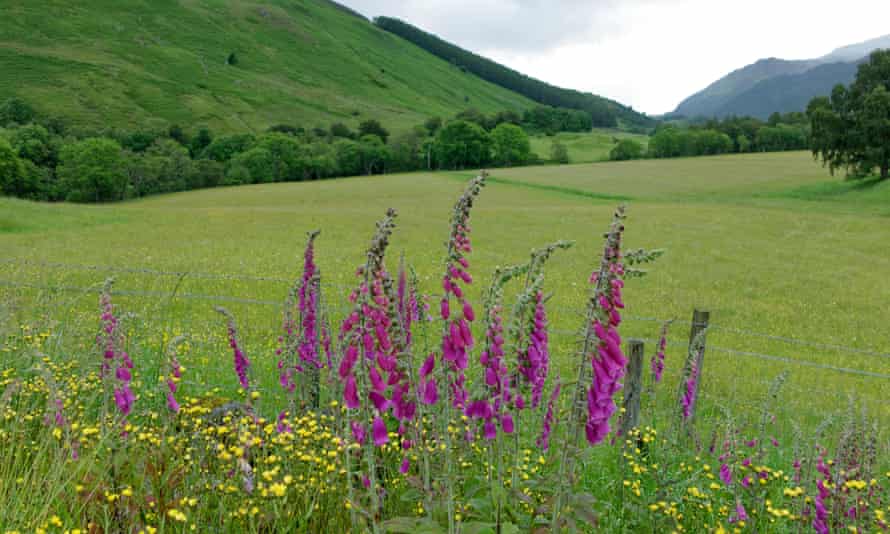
(176, 295)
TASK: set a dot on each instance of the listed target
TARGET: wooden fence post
(686, 406)
(633, 387)
(700, 321)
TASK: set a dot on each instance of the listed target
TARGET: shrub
(559, 153)
(626, 149)
(373, 127)
(16, 111)
(34, 142)
(339, 129)
(511, 145)
(259, 164)
(93, 170)
(224, 148)
(11, 169)
(462, 144)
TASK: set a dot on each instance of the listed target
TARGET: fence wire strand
(279, 304)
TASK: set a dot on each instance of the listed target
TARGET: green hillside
(304, 62)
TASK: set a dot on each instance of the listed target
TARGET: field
(151, 64)
(585, 147)
(790, 262)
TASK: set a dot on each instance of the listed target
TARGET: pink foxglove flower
(543, 440)
(114, 358)
(379, 432)
(658, 359)
(725, 474)
(458, 339)
(241, 363)
(690, 392)
(608, 361)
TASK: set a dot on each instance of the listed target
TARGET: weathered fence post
(314, 386)
(633, 387)
(700, 321)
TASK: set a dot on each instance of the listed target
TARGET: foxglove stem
(691, 376)
(543, 440)
(610, 270)
(174, 374)
(299, 343)
(241, 363)
(367, 335)
(116, 368)
(658, 359)
(457, 339)
(689, 395)
(820, 522)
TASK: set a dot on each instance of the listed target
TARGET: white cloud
(646, 53)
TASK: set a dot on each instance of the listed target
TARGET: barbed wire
(805, 363)
(155, 294)
(560, 332)
(226, 276)
(771, 337)
(155, 272)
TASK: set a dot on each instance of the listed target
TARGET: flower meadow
(415, 413)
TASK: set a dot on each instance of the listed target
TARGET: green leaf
(411, 495)
(411, 525)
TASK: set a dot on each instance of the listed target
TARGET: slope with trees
(603, 112)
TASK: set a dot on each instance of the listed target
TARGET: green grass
(303, 62)
(770, 244)
(585, 147)
(740, 241)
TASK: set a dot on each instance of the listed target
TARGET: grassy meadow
(791, 262)
(585, 147)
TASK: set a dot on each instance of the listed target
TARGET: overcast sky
(650, 54)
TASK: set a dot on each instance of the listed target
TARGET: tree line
(603, 112)
(42, 159)
(848, 130)
(732, 135)
(851, 127)
(789, 131)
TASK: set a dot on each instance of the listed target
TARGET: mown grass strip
(546, 187)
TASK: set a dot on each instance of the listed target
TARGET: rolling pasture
(585, 147)
(791, 263)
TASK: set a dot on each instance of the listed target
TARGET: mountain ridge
(777, 85)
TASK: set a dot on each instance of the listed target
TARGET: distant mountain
(858, 51)
(781, 85)
(790, 92)
(712, 100)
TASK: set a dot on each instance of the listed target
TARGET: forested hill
(232, 65)
(605, 112)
